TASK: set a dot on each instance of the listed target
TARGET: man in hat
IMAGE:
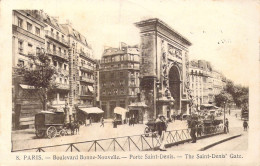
(245, 125)
(102, 121)
(227, 125)
(161, 128)
(193, 129)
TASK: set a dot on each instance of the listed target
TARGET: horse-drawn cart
(50, 124)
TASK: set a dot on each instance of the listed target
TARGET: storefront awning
(138, 104)
(58, 108)
(120, 110)
(90, 88)
(208, 106)
(27, 86)
(91, 110)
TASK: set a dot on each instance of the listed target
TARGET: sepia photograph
(129, 76)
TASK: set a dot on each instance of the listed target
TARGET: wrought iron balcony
(87, 68)
(63, 86)
(86, 79)
(56, 37)
(58, 54)
(62, 71)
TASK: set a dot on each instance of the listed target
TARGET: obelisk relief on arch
(164, 69)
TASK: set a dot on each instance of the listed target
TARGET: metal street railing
(129, 143)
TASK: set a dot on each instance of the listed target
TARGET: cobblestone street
(97, 132)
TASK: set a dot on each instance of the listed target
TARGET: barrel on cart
(50, 124)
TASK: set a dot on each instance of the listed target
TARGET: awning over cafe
(90, 88)
(91, 110)
(27, 86)
(208, 106)
(121, 111)
(138, 104)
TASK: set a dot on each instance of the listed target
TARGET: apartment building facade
(205, 82)
(119, 78)
(28, 39)
(56, 46)
(33, 32)
(82, 68)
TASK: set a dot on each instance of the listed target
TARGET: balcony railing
(62, 71)
(63, 86)
(120, 68)
(58, 54)
(86, 79)
(55, 37)
(86, 67)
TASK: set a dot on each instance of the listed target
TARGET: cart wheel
(51, 132)
(62, 132)
(146, 132)
(39, 133)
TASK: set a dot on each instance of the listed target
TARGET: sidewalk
(202, 143)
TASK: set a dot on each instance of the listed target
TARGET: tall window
(38, 50)
(55, 63)
(48, 46)
(54, 48)
(37, 31)
(20, 46)
(20, 63)
(29, 27)
(20, 22)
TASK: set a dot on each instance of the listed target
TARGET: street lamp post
(224, 116)
(157, 105)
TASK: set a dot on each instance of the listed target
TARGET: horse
(73, 126)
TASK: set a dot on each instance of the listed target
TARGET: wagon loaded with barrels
(50, 124)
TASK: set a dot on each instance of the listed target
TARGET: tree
(239, 93)
(223, 98)
(41, 77)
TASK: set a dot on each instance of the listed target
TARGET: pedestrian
(174, 117)
(199, 130)
(66, 114)
(161, 128)
(245, 125)
(229, 111)
(90, 121)
(114, 122)
(236, 115)
(133, 120)
(226, 126)
(193, 130)
(102, 121)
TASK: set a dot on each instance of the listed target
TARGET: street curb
(219, 142)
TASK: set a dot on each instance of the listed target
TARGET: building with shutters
(57, 46)
(205, 82)
(82, 68)
(118, 78)
(34, 31)
(28, 39)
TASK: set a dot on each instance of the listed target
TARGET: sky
(221, 32)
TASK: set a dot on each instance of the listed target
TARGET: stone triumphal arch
(164, 69)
